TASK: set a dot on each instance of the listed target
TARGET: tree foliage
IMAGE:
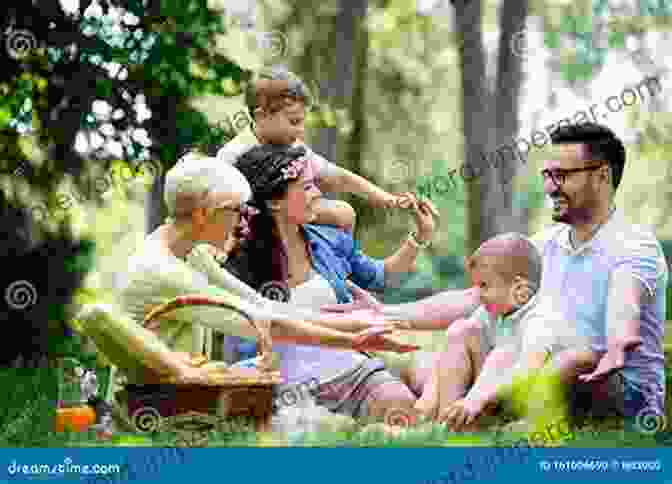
(120, 74)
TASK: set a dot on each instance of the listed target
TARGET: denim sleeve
(367, 273)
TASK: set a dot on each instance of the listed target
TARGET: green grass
(26, 420)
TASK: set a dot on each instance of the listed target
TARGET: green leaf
(5, 117)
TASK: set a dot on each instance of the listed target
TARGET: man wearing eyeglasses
(606, 275)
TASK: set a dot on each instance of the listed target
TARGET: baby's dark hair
(273, 88)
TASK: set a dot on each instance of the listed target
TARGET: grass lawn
(30, 425)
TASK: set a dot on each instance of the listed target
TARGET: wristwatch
(413, 239)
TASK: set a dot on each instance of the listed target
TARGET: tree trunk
(155, 211)
(477, 130)
(490, 120)
(162, 128)
(344, 88)
(514, 217)
(356, 145)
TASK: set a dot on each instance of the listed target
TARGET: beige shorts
(349, 394)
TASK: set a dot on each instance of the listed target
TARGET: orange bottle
(76, 418)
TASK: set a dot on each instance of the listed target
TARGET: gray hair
(194, 177)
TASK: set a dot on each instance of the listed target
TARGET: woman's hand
(361, 300)
(373, 339)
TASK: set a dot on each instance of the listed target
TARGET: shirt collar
(604, 231)
(519, 314)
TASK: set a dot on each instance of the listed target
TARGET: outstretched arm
(403, 260)
(209, 311)
(339, 180)
(435, 312)
(201, 259)
(368, 340)
(627, 296)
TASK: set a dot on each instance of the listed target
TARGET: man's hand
(410, 199)
(461, 413)
(424, 211)
(612, 361)
(373, 339)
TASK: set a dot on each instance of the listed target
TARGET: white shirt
(305, 363)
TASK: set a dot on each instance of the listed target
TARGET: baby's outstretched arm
(340, 180)
(497, 372)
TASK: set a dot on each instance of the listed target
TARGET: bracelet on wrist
(418, 244)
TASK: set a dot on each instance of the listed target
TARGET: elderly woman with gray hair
(206, 200)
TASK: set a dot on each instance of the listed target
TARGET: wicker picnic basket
(140, 355)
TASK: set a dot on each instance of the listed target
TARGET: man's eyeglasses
(559, 176)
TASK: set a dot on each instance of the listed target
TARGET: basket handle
(263, 328)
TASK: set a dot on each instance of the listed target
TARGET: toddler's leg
(336, 212)
(457, 367)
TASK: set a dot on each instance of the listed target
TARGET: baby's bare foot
(393, 430)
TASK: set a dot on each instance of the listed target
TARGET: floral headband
(247, 213)
(293, 170)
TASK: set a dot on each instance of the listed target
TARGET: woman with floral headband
(205, 201)
(285, 256)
